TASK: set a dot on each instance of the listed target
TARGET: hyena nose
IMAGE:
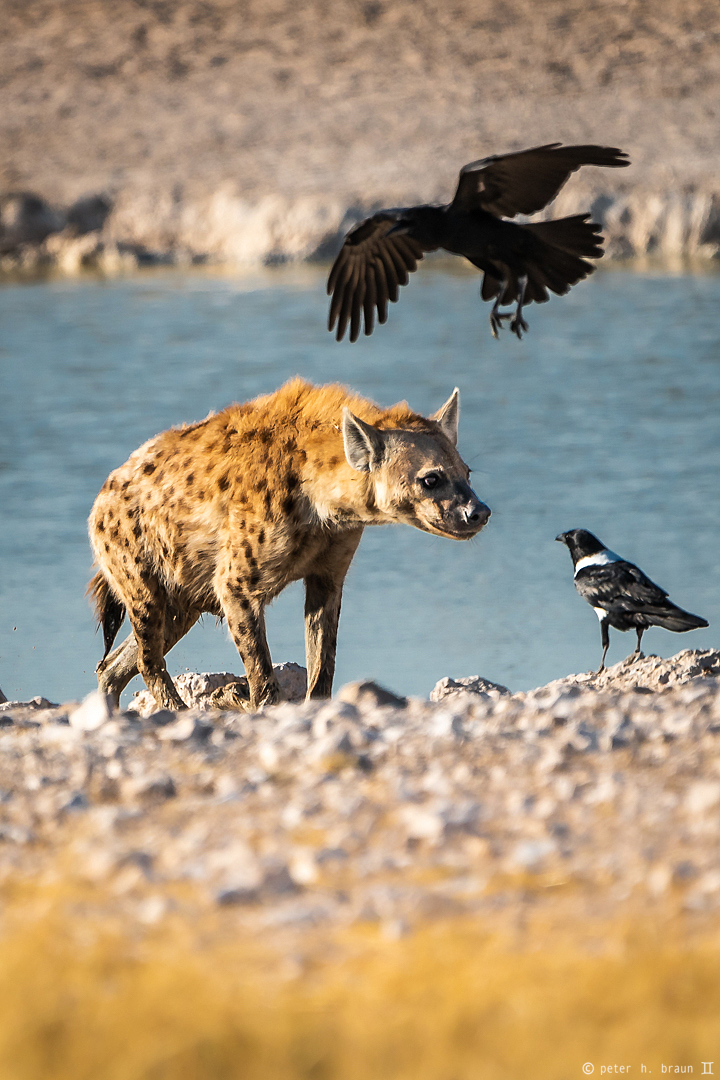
(476, 513)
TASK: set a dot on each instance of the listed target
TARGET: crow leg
(639, 631)
(605, 639)
(495, 316)
(518, 326)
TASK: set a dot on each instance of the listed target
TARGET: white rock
(293, 680)
(337, 741)
(37, 702)
(297, 914)
(564, 787)
(530, 854)
(237, 858)
(603, 792)
(151, 910)
(369, 695)
(227, 787)
(268, 756)
(150, 788)
(59, 735)
(701, 796)
(709, 882)
(658, 879)
(93, 712)
(195, 688)
(329, 714)
(447, 722)
(184, 728)
(421, 823)
(303, 867)
(395, 929)
(461, 815)
(471, 684)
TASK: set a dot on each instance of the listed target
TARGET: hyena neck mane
(307, 422)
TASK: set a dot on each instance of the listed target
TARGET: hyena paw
(234, 696)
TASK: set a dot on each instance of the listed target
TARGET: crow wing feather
(525, 182)
(367, 272)
(619, 586)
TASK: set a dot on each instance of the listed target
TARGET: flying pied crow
(520, 262)
(621, 595)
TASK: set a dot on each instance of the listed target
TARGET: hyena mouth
(468, 521)
(459, 530)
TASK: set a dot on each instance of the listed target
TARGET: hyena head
(417, 475)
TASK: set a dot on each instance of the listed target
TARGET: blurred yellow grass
(87, 997)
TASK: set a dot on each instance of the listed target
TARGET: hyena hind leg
(118, 668)
(146, 608)
(121, 666)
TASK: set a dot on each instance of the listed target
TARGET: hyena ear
(364, 444)
(448, 417)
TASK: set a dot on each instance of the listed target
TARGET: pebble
(472, 685)
(95, 710)
(368, 694)
(184, 728)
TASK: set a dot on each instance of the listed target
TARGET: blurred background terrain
(257, 131)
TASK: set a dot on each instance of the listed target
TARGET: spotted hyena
(221, 515)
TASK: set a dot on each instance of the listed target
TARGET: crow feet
(496, 319)
(518, 326)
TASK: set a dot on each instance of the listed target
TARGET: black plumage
(520, 262)
(621, 594)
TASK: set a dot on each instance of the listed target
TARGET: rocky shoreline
(225, 230)
(370, 808)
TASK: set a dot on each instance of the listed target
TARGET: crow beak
(561, 538)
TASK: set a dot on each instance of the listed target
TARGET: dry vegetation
(82, 999)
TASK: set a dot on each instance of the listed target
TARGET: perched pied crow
(520, 262)
(620, 593)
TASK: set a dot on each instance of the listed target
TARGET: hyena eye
(431, 480)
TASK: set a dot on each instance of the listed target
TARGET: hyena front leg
(246, 622)
(323, 596)
(121, 665)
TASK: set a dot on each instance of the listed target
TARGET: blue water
(604, 417)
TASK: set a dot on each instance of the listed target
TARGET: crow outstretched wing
(525, 182)
(620, 587)
(370, 266)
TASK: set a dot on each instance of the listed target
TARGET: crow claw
(519, 327)
(496, 318)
